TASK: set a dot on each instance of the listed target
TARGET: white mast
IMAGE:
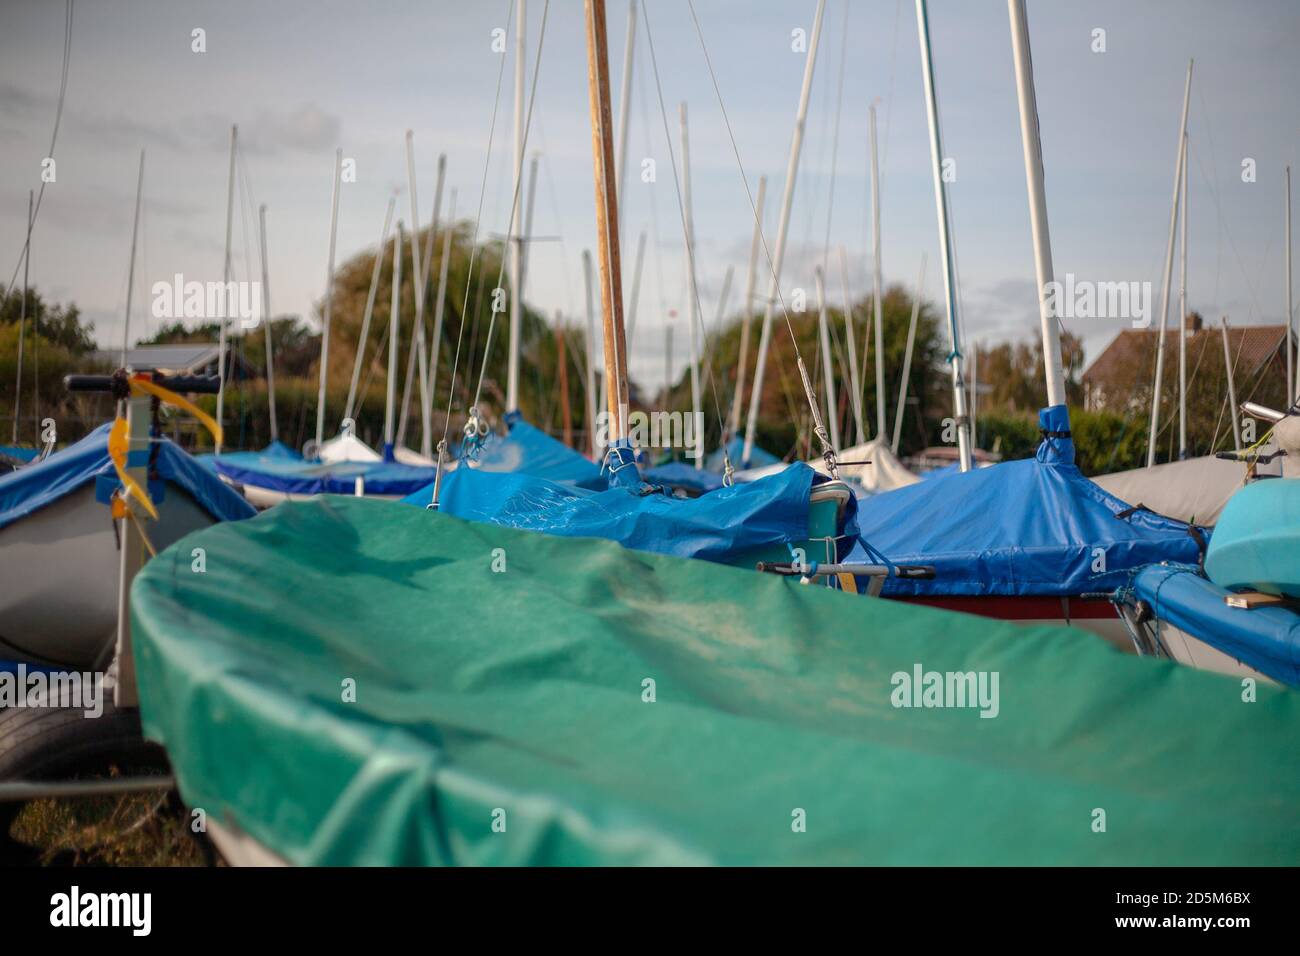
(516, 243)
(370, 309)
(1233, 413)
(625, 102)
(1182, 318)
(416, 358)
(130, 274)
(435, 347)
(394, 327)
(1168, 276)
(266, 324)
(945, 240)
(974, 394)
(876, 282)
(851, 346)
(329, 301)
(692, 293)
(742, 363)
(1033, 145)
(1290, 315)
(221, 335)
(591, 358)
(907, 359)
(828, 370)
(787, 200)
(635, 294)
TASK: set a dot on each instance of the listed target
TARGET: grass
(139, 829)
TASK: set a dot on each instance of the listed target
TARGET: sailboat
(700, 687)
(59, 547)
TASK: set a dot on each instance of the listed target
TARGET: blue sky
(304, 77)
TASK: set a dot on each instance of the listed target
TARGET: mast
(624, 104)
(130, 272)
(591, 358)
(1168, 275)
(394, 325)
(876, 281)
(945, 239)
(516, 242)
(562, 362)
(329, 301)
(225, 278)
(266, 324)
(435, 347)
(1182, 319)
(1290, 314)
(22, 314)
(1234, 414)
(742, 363)
(974, 395)
(787, 200)
(851, 346)
(692, 293)
(370, 309)
(635, 294)
(416, 358)
(828, 370)
(907, 359)
(611, 291)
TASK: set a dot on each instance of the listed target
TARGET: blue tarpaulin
(680, 474)
(758, 458)
(302, 477)
(531, 451)
(1031, 527)
(716, 526)
(1265, 638)
(18, 453)
(33, 487)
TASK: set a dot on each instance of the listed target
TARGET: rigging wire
(819, 428)
(54, 136)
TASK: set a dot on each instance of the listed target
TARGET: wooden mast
(602, 152)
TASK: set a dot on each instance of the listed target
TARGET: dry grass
(148, 829)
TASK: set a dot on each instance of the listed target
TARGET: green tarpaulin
(505, 716)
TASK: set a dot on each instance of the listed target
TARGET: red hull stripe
(1029, 608)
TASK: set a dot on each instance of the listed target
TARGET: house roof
(180, 357)
(1254, 344)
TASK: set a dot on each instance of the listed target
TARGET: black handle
(195, 384)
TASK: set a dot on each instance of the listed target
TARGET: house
(1120, 377)
(185, 358)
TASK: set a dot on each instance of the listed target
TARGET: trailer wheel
(61, 743)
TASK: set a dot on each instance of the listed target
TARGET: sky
(304, 77)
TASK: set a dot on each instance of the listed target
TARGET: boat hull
(1096, 615)
(59, 569)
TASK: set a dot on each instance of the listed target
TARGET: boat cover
(300, 476)
(18, 453)
(882, 470)
(605, 706)
(1192, 490)
(1031, 527)
(736, 452)
(1257, 541)
(682, 474)
(533, 452)
(717, 526)
(40, 484)
(1265, 638)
